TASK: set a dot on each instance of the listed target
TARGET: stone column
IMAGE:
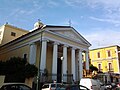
(87, 60)
(54, 63)
(73, 64)
(32, 56)
(64, 64)
(80, 64)
(43, 55)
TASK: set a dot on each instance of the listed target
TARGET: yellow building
(9, 33)
(55, 48)
(106, 59)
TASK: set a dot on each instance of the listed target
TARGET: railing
(110, 70)
(100, 70)
(67, 78)
(52, 77)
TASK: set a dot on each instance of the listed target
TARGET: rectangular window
(13, 34)
(109, 54)
(98, 54)
(110, 66)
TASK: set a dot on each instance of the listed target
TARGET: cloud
(108, 20)
(110, 9)
(21, 10)
(18, 12)
(52, 3)
(32, 7)
(75, 3)
(104, 3)
(103, 37)
(45, 3)
(95, 3)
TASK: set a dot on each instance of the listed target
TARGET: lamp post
(62, 58)
(38, 76)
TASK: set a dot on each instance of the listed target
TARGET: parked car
(83, 87)
(91, 84)
(77, 87)
(108, 86)
(111, 86)
(14, 86)
(102, 86)
(53, 86)
(118, 84)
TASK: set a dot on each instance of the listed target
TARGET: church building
(57, 49)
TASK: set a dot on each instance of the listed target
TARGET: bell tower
(38, 24)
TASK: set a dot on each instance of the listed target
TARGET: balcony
(110, 70)
(100, 70)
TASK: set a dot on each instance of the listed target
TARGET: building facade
(9, 33)
(57, 49)
(106, 59)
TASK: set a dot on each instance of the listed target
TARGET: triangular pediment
(72, 34)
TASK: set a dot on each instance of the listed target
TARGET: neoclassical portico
(61, 53)
(76, 56)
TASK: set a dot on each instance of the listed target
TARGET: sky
(98, 21)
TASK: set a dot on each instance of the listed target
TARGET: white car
(53, 86)
(91, 84)
(14, 86)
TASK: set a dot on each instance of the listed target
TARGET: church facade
(57, 49)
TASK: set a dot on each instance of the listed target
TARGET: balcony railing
(100, 70)
(110, 70)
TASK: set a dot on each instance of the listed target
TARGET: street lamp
(38, 76)
(62, 58)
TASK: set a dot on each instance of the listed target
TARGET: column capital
(65, 45)
(44, 40)
(56, 43)
(74, 48)
(86, 51)
(32, 43)
(81, 50)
